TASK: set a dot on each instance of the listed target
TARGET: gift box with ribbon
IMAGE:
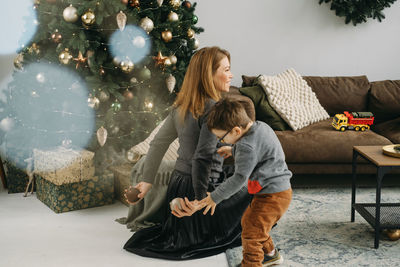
(62, 165)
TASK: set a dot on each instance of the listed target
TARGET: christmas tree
(130, 55)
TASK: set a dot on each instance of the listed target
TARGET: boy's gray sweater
(259, 162)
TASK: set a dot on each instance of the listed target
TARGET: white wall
(269, 36)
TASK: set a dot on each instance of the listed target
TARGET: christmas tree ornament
(146, 24)
(80, 60)
(167, 62)
(65, 57)
(70, 14)
(88, 19)
(175, 3)
(56, 36)
(125, 2)
(103, 96)
(18, 61)
(190, 33)
(160, 2)
(93, 102)
(116, 106)
(102, 135)
(160, 59)
(173, 59)
(195, 19)
(134, 3)
(128, 95)
(196, 43)
(126, 66)
(187, 4)
(116, 61)
(172, 16)
(90, 58)
(166, 36)
(170, 82)
(34, 49)
(121, 20)
(144, 74)
(133, 80)
(393, 234)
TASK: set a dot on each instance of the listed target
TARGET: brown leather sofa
(319, 148)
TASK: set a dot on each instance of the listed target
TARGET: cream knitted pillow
(293, 99)
(141, 149)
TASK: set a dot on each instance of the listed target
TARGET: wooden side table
(379, 215)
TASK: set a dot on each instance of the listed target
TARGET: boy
(259, 161)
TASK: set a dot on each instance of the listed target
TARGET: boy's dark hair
(227, 114)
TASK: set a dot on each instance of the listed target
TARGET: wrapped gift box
(122, 179)
(61, 166)
(93, 192)
(17, 179)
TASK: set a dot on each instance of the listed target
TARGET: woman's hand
(225, 151)
(143, 187)
(187, 208)
(208, 203)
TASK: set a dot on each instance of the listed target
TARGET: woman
(185, 234)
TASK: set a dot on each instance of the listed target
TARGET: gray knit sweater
(196, 154)
(259, 162)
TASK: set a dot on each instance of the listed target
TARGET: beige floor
(33, 235)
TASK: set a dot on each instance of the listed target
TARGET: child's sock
(271, 253)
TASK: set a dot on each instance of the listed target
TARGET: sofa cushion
(293, 99)
(384, 100)
(248, 80)
(389, 129)
(338, 94)
(320, 143)
(264, 111)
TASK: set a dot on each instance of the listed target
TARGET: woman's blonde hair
(198, 85)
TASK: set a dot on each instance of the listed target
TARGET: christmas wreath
(358, 11)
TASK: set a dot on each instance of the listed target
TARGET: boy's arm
(245, 162)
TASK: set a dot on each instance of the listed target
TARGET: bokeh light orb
(132, 43)
(18, 24)
(46, 105)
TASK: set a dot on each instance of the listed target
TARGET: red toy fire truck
(353, 120)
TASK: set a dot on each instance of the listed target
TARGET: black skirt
(196, 236)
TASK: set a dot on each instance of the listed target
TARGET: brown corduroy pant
(262, 213)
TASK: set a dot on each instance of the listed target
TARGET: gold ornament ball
(88, 18)
(134, 3)
(126, 66)
(116, 61)
(125, 2)
(190, 33)
(175, 3)
(166, 36)
(172, 16)
(173, 59)
(70, 14)
(144, 74)
(18, 60)
(65, 57)
(56, 37)
(393, 234)
(146, 24)
(128, 95)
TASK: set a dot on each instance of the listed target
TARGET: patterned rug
(316, 231)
